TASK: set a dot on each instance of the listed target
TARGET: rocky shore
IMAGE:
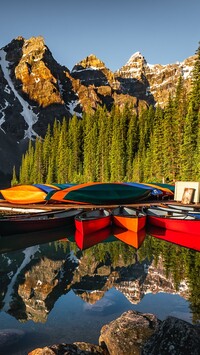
(135, 333)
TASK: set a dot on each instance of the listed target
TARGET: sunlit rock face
(156, 81)
(35, 89)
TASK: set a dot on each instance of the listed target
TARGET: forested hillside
(121, 145)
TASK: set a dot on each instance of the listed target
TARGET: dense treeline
(121, 145)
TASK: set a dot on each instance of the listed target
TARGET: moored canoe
(130, 218)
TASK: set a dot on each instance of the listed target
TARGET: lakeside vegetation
(121, 145)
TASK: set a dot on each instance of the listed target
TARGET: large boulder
(127, 334)
(173, 337)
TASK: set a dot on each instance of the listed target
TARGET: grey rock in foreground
(174, 337)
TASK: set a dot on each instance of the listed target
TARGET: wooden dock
(6, 206)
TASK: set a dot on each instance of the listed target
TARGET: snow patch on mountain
(29, 116)
(2, 113)
(72, 106)
(134, 58)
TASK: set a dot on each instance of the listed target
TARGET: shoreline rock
(135, 333)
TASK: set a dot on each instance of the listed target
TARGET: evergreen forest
(152, 145)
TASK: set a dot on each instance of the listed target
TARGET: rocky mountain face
(35, 89)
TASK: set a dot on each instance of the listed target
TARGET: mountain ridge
(35, 89)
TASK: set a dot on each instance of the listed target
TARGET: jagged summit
(136, 58)
(135, 66)
(91, 62)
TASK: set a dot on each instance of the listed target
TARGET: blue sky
(164, 31)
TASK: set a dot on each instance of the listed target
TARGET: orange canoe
(129, 218)
(23, 194)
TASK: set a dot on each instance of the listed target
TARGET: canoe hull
(41, 221)
(92, 221)
(100, 193)
(179, 225)
(128, 218)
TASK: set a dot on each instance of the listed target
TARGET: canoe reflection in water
(20, 241)
(134, 239)
(188, 240)
(85, 241)
(70, 234)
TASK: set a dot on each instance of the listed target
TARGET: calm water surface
(53, 292)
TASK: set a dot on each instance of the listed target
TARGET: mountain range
(35, 90)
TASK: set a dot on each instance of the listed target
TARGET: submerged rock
(8, 337)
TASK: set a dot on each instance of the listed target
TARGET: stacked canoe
(88, 193)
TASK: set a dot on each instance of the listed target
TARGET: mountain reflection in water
(54, 291)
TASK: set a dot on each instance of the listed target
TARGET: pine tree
(37, 171)
(168, 144)
(103, 145)
(74, 150)
(90, 147)
(131, 143)
(195, 94)
(14, 180)
(196, 160)
(46, 153)
(153, 160)
(117, 150)
(144, 125)
(25, 174)
(62, 154)
(180, 106)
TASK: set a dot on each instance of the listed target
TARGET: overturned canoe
(24, 194)
(100, 193)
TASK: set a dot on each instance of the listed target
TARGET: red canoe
(130, 218)
(176, 221)
(188, 240)
(93, 220)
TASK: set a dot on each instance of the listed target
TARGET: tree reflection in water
(32, 279)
